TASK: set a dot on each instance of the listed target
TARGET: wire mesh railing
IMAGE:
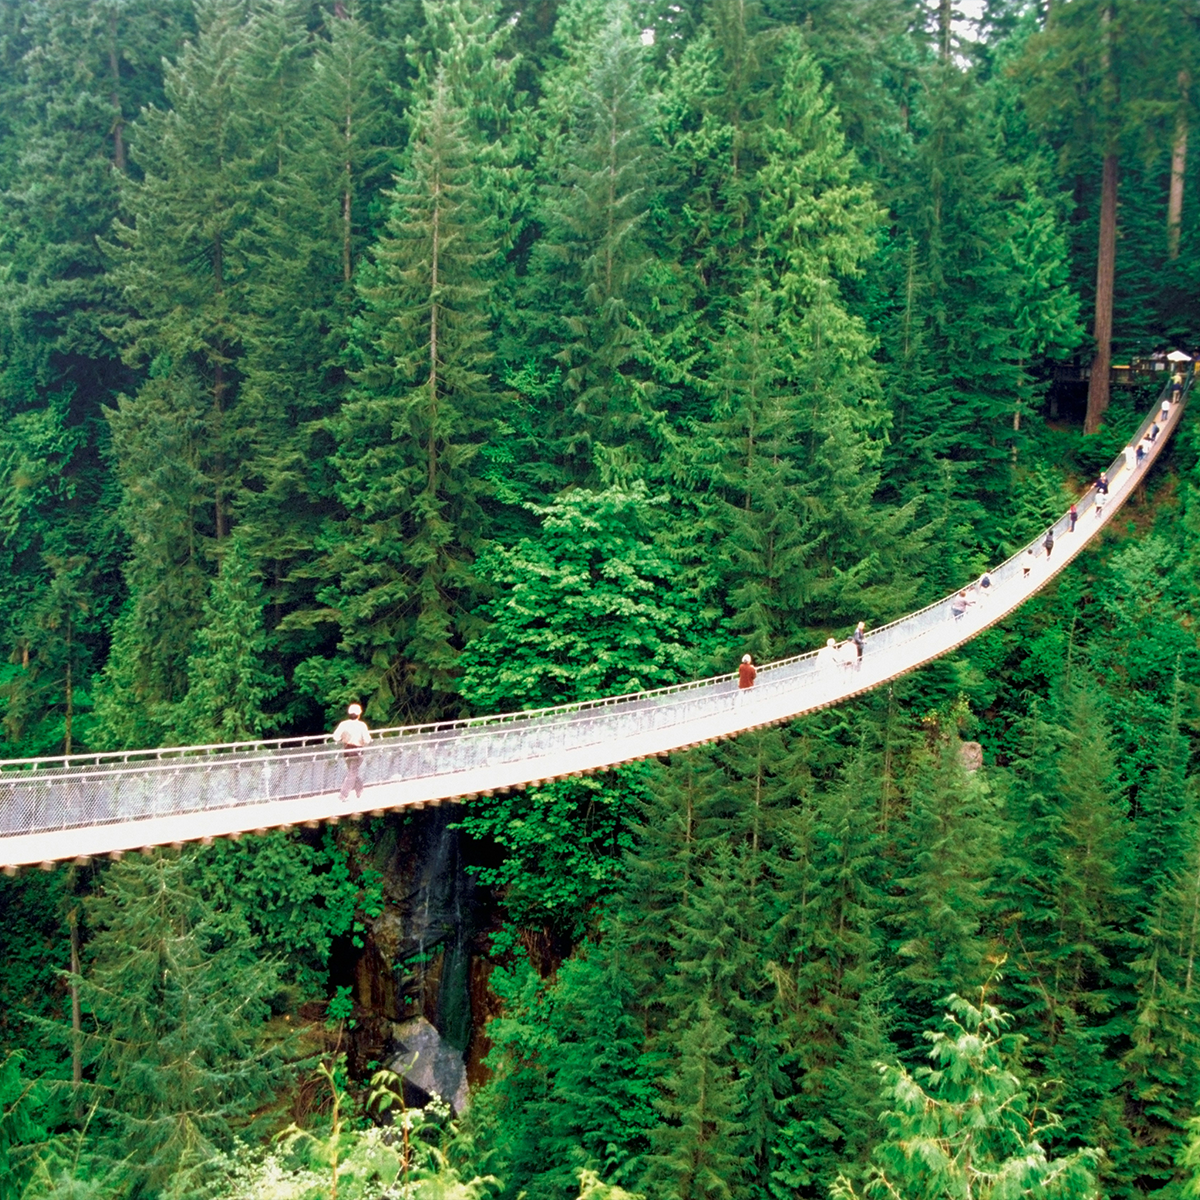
(79, 791)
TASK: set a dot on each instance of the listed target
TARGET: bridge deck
(79, 807)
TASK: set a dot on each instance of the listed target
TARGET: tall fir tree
(175, 1046)
(409, 438)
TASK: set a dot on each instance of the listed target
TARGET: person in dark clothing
(859, 637)
(1048, 543)
(1072, 516)
(1102, 483)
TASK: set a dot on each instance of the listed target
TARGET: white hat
(745, 658)
(355, 710)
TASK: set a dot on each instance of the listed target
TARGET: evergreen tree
(1068, 910)
(409, 438)
(306, 246)
(948, 856)
(696, 1149)
(588, 299)
(75, 74)
(46, 686)
(975, 1129)
(1094, 76)
(823, 962)
(174, 1041)
(18, 1127)
(230, 684)
(184, 268)
(180, 260)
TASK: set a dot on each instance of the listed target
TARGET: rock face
(429, 1065)
(970, 754)
(420, 979)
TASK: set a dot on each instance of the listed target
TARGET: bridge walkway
(78, 807)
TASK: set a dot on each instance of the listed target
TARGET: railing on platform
(79, 791)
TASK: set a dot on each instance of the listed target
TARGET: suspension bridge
(74, 808)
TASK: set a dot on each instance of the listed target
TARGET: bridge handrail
(307, 746)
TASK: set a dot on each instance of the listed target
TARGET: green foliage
(35, 946)
(175, 1046)
(280, 898)
(972, 1128)
(410, 1157)
(462, 355)
(229, 683)
(589, 608)
(17, 1127)
(562, 844)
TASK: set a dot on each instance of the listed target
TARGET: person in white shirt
(354, 735)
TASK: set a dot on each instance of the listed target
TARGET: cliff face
(421, 978)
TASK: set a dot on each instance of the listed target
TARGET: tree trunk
(435, 248)
(347, 271)
(218, 390)
(70, 689)
(1178, 167)
(945, 28)
(76, 1012)
(114, 66)
(1098, 385)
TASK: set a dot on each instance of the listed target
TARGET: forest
(456, 357)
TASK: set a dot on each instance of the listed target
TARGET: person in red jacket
(746, 673)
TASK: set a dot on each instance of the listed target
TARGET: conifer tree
(184, 270)
(600, 1108)
(755, 545)
(156, 442)
(696, 1156)
(822, 958)
(1093, 75)
(230, 685)
(1068, 905)
(947, 858)
(46, 688)
(306, 247)
(174, 1041)
(75, 74)
(18, 1127)
(975, 1129)
(180, 264)
(410, 435)
(1164, 1058)
(592, 261)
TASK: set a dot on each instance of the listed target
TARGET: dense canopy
(453, 356)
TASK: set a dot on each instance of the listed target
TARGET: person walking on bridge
(354, 735)
(1048, 543)
(858, 637)
(747, 673)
